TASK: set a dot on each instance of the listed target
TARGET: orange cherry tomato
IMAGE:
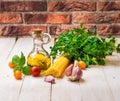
(18, 75)
(81, 64)
(11, 65)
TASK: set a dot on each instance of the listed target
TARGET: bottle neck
(37, 44)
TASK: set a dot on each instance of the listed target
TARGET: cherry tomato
(11, 65)
(81, 64)
(18, 74)
(35, 71)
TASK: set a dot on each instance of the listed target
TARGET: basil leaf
(17, 68)
(15, 59)
(22, 59)
(26, 70)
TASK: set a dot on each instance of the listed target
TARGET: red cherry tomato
(35, 71)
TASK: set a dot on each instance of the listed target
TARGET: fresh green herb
(118, 48)
(81, 44)
(20, 62)
(26, 70)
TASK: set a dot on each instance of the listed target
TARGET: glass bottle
(39, 56)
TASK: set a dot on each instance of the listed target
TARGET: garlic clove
(49, 79)
(68, 70)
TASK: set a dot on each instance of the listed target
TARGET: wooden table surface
(99, 83)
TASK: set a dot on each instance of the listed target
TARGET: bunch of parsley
(81, 44)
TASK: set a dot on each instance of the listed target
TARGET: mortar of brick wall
(18, 18)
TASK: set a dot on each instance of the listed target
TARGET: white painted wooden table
(99, 83)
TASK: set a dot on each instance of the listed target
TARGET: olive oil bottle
(39, 56)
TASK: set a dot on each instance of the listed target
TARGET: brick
(24, 6)
(18, 30)
(86, 0)
(12, 6)
(10, 18)
(45, 19)
(58, 18)
(71, 6)
(0, 7)
(36, 5)
(59, 29)
(109, 29)
(96, 18)
(108, 0)
(109, 6)
(92, 0)
(35, 18)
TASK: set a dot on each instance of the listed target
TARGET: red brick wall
(19, 17)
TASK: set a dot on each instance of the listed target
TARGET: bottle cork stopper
(37, 31)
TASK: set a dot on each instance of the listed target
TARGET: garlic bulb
(76, 72)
